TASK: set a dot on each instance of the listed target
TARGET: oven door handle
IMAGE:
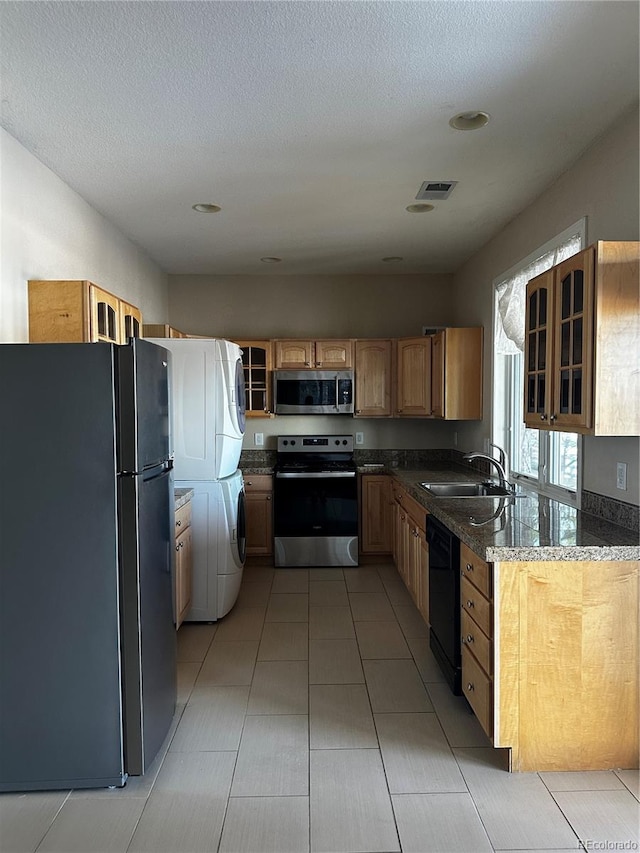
(314, 475)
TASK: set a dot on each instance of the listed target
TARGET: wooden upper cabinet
(257, 364)
(78, 311)
(582, 343)
(130, 321)
(320, 354)
(413, 381)
(373, 378)
(456, 374)
(161, 330)
(294, 354)
(105, 316)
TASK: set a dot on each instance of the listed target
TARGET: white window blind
(511, 296)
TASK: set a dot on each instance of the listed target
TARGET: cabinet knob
(178, 524)
(553, 417)
(543, 417)
(469, 567)
(469, 638)
(268, 497)
(249, 483)
(306, 364)
(470, 687)
(178, 546)
(470, 603)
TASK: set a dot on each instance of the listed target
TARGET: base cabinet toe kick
(550, 660)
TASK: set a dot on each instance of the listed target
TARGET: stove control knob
(344, 440)
(337, 441)
(293, 441)
(285, 442)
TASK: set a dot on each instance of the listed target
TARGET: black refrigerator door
(143, 405)
(60, 689)
(149, 635)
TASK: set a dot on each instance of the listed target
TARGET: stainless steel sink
(468, 490)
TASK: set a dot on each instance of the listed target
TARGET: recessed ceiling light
(419, 208)
(206, 208)
(270, 260)
(472, 120)
(392, 260)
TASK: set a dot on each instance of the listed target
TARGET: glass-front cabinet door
(572, 343)
(558, 346)
(105, 315)
(257, 366)
(538, 351)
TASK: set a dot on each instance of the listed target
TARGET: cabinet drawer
(475, 570)
(478, 690)
(477, 606)
(183, 518)
(258, 483)
(477, 642)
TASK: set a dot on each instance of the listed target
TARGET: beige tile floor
(314, 718)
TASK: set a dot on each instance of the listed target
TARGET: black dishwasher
(444, 601)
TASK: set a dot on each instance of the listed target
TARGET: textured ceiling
(312, 124)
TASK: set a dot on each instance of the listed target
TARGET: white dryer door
(232, 398)
(240, 397)
(232, 536)
(230, 422)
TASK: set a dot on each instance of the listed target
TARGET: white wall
(275, 305)
(47, 231)
(291, 306)
(602, 185)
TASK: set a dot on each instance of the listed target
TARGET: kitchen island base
(565, 680)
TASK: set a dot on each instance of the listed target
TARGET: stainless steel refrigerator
(87, 638)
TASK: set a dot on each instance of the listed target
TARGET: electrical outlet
(621, 476)
(359, 438)
(258, 439)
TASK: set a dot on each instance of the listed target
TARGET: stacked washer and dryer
(208, 401)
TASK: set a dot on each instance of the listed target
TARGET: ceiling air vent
(436, 190)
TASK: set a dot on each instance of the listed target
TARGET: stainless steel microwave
(313, 392)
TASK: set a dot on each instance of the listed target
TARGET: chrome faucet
(500, 466)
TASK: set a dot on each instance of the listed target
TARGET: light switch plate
(359, 438)
(258, 439)
(621, 475)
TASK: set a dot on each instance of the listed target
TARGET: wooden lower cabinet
(376, 519)
(550, 660)
(184, 562)
(410, 550)
(258, 502)
(476, 626)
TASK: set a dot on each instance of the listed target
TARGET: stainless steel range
(315, 501)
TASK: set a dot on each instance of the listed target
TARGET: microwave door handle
(337, 404)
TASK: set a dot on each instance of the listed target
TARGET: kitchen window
(545, 460)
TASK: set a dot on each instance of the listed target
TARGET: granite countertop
(182, 496)
(530, 527)
(248, 470)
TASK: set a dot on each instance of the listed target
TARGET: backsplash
(617, 512)
(624, 514)
(257, 459)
